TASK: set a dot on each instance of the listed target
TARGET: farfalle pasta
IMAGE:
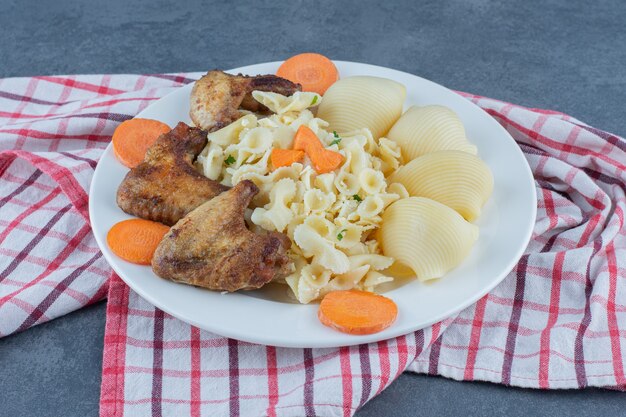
(279, 104)
(328, 217)
(277, 214)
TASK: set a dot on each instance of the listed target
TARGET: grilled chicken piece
(212, 247)
(217, 97)
(165, 186)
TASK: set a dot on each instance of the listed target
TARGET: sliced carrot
(326, 161)
(135, 240)
(285, 157)
(133, 137)
(306, 140)
(357, 312)
(314, 71)
(323, 160)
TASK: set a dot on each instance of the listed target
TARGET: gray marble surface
(568, 56)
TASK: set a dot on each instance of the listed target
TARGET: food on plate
(322, 160)
(329, 216)
(331, 195)
(133, 137)
(314, 72)
(427, 236)
(165, 186)
(459, 180)
(135, 240)
(217, 97)
(362, 102)
(285, 157)
(426, 129)
(357, 312)
(212, 247)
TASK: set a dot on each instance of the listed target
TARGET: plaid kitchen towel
(52, 133)
(556, 321)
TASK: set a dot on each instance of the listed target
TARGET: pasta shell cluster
(430, 231)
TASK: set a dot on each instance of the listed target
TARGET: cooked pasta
(317, 201)
(228, 134)
(371, 207)
(457, 179)
(356, 102)
(279, 104)
(426, 236)
(390, 155)
(400, 203)
(322, 250)
(328, 217)
(371, 181)
(277, 215)
(422, 130)
(308, 281)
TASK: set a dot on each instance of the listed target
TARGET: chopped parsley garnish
(337, 138)
(340, 234)
(230, 160)
(314, 101)
(357, 198)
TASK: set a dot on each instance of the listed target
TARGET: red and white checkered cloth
(557, 321)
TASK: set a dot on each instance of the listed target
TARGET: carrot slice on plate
(314, 71)
(133, 137)
(326, 161)
(285, 157)
(306, 140)
(323, 160)
(357, 312)
(135, 240)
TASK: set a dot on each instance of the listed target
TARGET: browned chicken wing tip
(212, 247)
(217, 97)
(166, 186)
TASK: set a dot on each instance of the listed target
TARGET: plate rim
(262, 339)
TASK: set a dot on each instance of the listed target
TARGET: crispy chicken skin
(165, 186)
(212, 247)
(217, 97)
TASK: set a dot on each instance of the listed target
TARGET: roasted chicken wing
(165, 186)
(212, 247)
(217, 97)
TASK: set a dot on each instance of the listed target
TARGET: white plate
(505, 229)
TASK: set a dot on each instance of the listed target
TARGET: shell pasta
(457, 179)
(357, 102)
(427, 236)
(422, 130)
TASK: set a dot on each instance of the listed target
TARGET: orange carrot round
(357, 312)
(135, 240)
(133, 137)
(314, 71)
